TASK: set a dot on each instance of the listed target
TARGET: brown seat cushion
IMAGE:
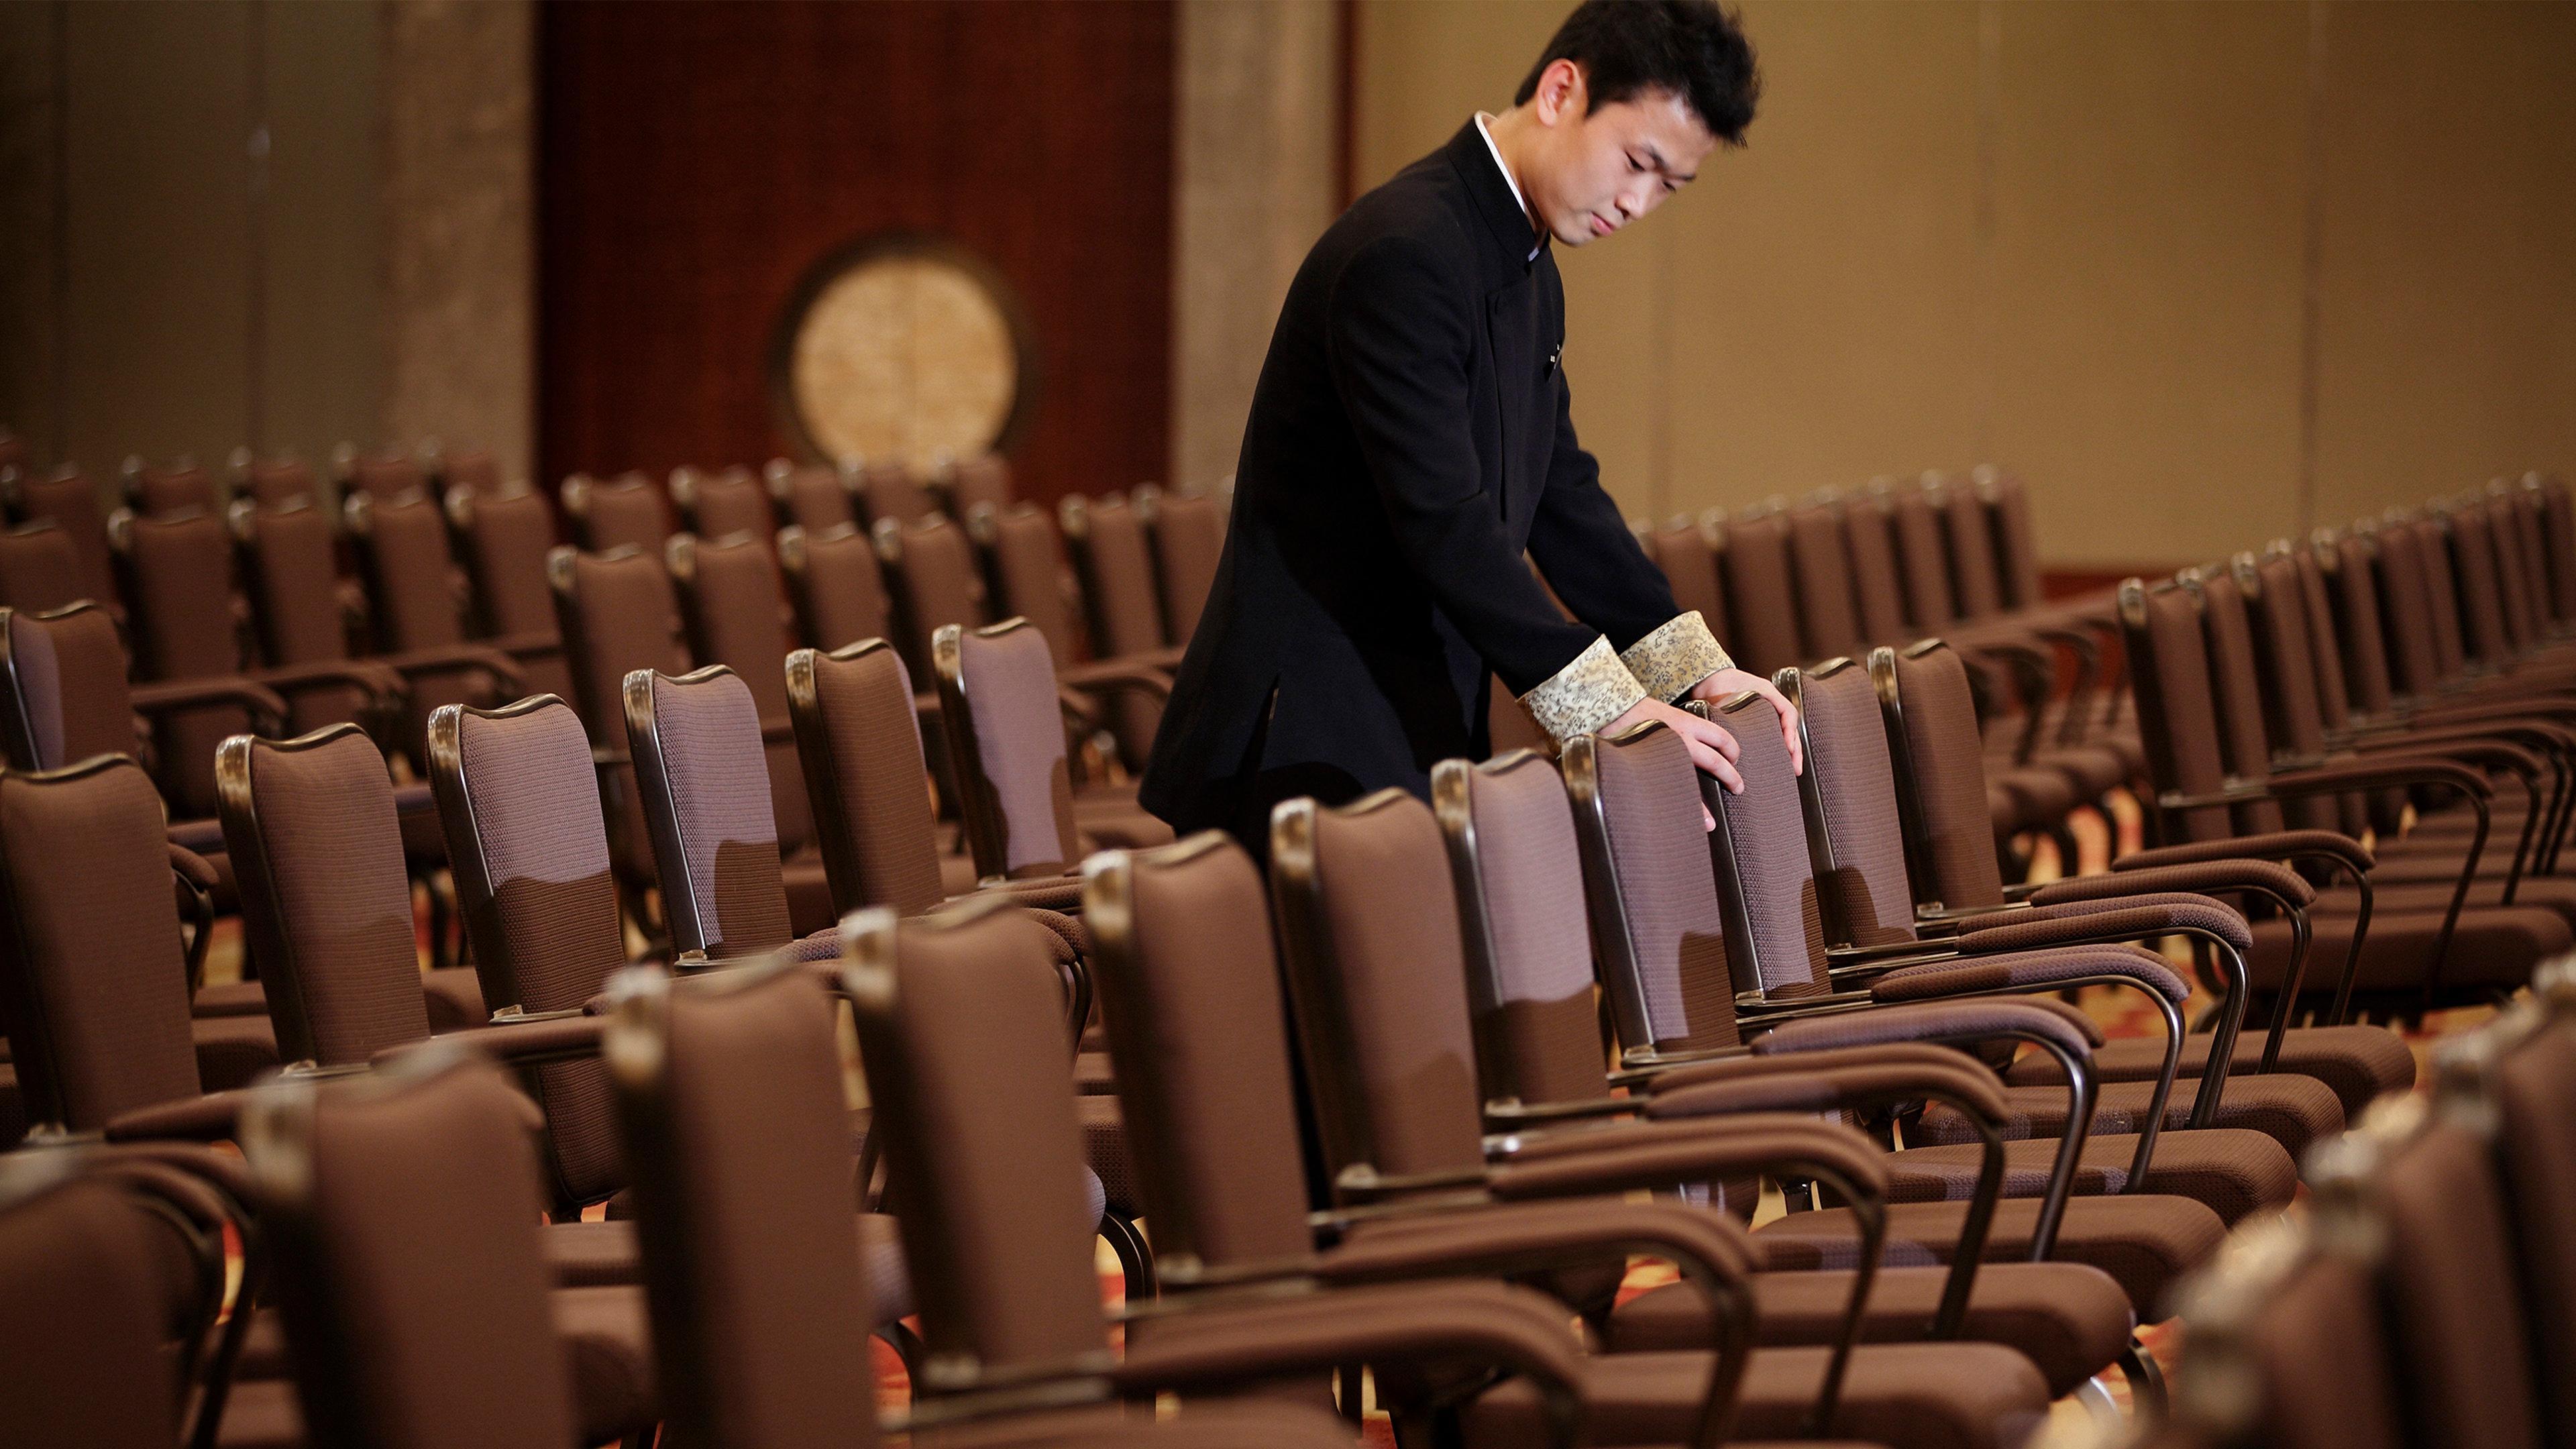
(454, 996)
(2494, 946)
(231, 998)
(2070, 1320)
(2233, 1170)
(2143, 1240)
(2293, 1111)
(232, 1050)
(2357, 1063)
(809, 892)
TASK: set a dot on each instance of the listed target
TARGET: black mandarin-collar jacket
(1409, 439)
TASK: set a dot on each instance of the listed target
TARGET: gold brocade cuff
(1585, 695)
(1676, 656)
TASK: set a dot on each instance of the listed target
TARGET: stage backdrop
(697, 162)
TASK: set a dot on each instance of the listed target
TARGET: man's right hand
(1711, 747)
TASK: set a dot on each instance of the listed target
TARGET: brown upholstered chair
(810, 497)
(1869, 531)
(1001, 707)
(2288, 1345)
(375, 1189)
(730, 603)
(932, 579)
(1761, 602)
(389, 472)
(93, 971)
(39, 567)
(1829, 618)
(953, 1011)
(617, 613)
(318, 850)
(722, 504)
(983, 481)
(275, 482)
(1025, 558)
(1188, 535)
(502, 538)
(417, 604)
(1686, 549)
(1123, 609)
(1917, 523)
(69, 502)
(627, 511)
(157, 490)
(1377, 975)
(2015, 540)
(836, 583)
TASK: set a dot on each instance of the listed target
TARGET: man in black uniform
(1410, 439)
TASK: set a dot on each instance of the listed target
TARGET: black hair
(1687, 48)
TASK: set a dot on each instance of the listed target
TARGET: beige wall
(2075, 239)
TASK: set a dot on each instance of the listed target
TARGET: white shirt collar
(1486, 131)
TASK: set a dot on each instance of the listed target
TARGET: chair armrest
(1645, 1156)
(193, 868)
(2275, 845)
(1855, 1079)
(1510, 1238)
(1061, 895)
(1109, 676)
(168, 695)
(2030, 970)
(526, 646)
(382, 686)
(2199, 877)
(531, 1040)
(1947, 1022)
(500, 663)
(2081, 923)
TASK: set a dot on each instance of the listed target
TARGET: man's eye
(1636, 165)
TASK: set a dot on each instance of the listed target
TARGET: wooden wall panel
(696, 159)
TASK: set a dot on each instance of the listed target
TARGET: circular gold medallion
(902, 348)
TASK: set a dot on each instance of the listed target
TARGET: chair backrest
(1932, 738)
(1518, 871)
(1188, 535)
(1766, 888)
(931, 564)
(730, 601)
(2289, 1344)
(82, 1307)
(810, 497)
(1855, 825)
(2177, 715)
(39, 566)
(63, 695)
(2016, 541)
(628, 511)
(720, 505)
(859, 740)
(837, 584)
(2406, 604)
(2235, 689)
(1915, 518)
(376, 1189)
(470, 470)
(2344, 562)
(389, 473)
(155, 490)
(290, 569)
(759, 1298)
(1760, 599)
(2286, 663)
(1377, 970)
(90, 953)
(891, 489)
(1686, 550)
(1869, 526)
(2558, 535)
(2316, 600)
(704, 783)
(961, 1030)
(2430, 530)
(983, 481)
(317, 849)
(2487, 562)
(1188, 975)
(1820, 567)
(503, 539)
(2530, 1085)
(69, 501)
(1974, 571)
(617, 614)
(184, 607)
(1656, 929)
(277, 482)
(1117, 570)
(2522, 501)
(413, 584)
(997, 703)
(518, 800)
(1025, 557)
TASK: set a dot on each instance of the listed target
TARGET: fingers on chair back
(1189, 980)
(983, 1155)
(39, 567)
(859, 742)
(758, 1292)
(997, 702)
(729, 598)
(1764, 877)
(1856, 834)
(625, 512)
(97, 1007)
(69, 501)
(1188, 535)
(1376, 964)
(704, 784)
(518, 799)
(836, 583)
(1940, 758)
(720, 505)
(1647, 872)
(311, 829)
(1519, 874)
(377, 1190)
(82, 1308)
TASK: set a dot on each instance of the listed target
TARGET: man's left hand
(1725, 684)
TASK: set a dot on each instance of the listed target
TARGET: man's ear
(1560, 92)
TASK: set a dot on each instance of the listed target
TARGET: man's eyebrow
(1666, 167)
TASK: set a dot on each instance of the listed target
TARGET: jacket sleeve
(1594, 563)
(1398, 339)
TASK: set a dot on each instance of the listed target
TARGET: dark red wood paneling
(696, 159)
